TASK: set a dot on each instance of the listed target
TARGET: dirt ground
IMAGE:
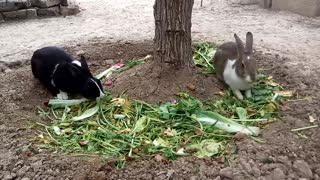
(286, 47)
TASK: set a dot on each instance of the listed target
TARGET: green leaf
(140, 125)
(164, 111)
(242, 113)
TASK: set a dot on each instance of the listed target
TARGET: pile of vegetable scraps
(122, 128)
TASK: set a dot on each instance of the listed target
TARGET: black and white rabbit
(236, 66)
(61, 74)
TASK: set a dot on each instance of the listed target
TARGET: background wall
(22, 9)
(310, 8)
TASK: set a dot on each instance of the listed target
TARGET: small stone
(45, 3)
(1, 19)
(266, 4)
(23, 170)
(25, 178)
(36, 165)
(302, 169)
(284, 160)
(110, 61)
(13, 5)
(226, 173)
(239, 136)
(31, 13)
(51, 178)
(68, 10)
(79, 53)
(20, 14)
(12, 91)
(98, 175)
(64, 3)
(10, 176)
(21, 161)
(246, 166)
(51, 11)
(277, 174)
(7, 70)
(248, 2)
(191, 87)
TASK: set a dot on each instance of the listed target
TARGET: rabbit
(236, 66)
(61, 74)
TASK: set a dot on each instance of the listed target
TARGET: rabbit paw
(248, 93)
(62, 95)
(238, 94)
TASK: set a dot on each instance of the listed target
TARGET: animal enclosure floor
(283, 154)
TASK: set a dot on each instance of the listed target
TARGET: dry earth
(286, 47)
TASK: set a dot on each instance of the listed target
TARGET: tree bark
(172, 42)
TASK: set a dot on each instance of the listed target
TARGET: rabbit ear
(240, 47)
(249, 42)
(85, 65)
(71, 69)
(84, 62)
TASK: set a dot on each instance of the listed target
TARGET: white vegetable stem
(88, 113)
(69, 102)
(221, 122)
(107, 73)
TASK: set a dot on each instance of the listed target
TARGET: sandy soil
(116, 20)
(286, 48)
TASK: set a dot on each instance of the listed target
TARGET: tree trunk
(172, 43)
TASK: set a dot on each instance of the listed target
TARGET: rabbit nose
(101, 94)
(248, 79)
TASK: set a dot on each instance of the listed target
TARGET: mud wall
(309, 8)
(22, 9)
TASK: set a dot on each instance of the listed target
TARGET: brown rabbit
(236, 66)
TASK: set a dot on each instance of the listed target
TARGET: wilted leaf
(312, 119)
(159, 158)
(126, 106)
(67, 130)
(239, 136)
(160, 142)
(168, 132)
(46, 139)
(191, 87)
(56, 129)
(66, 124)
(119, 116)
(136, 151)
(207, 148)
(124, 130)
(83, 142)
(118, 101)
(181, 151)
(285, 93)
(108, 82)
(222, 93)
(270, 107)
(197, 131)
